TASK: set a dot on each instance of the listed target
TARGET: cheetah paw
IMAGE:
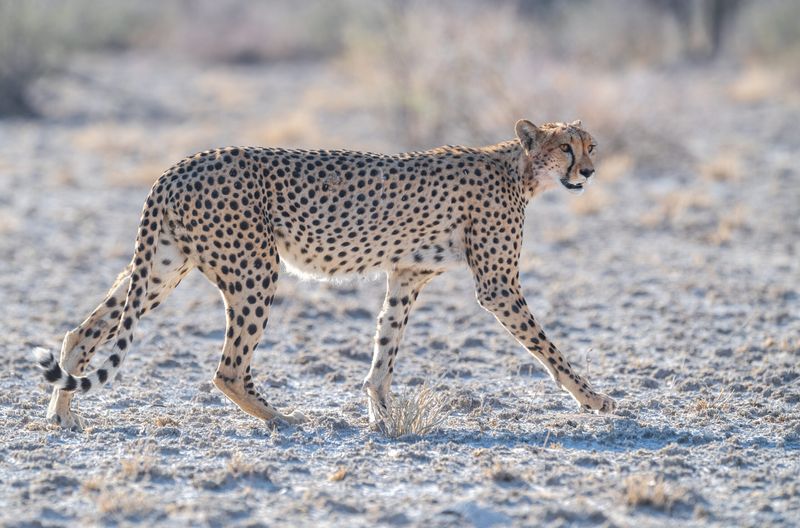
(295, 417)
(377, 406)
(70, 421)
(600, 403)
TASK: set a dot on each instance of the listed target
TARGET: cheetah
(236, 213)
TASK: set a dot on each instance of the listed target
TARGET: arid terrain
(673, 283)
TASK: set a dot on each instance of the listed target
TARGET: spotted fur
(235, 213)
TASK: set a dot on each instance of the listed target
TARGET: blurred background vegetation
(428, 61)
(148, 81)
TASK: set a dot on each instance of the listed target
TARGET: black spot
(53, 374)
(102, 375)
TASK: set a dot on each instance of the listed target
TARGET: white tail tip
(43, 356)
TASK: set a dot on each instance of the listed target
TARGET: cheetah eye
(591, 148)
(565, 147)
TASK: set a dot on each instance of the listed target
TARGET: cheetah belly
(444, 252)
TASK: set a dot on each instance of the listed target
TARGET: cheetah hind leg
(245, 324)
(247, 312)
(79, 346)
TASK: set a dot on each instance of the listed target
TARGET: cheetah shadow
(623, 435)
(617, 435)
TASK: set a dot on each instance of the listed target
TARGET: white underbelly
(441, 255)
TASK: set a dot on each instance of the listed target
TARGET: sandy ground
(675, 288)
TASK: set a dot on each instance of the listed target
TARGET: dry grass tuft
(139, 465)
(94, 484)
(239, 465)
(648, 490)
(713, 406)
(124, 501)
(239, 469)
(416, 414)
(501, 474)
(165, 421)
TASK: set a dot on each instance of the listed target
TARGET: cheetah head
(556, 153)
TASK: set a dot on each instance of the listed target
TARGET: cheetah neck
(520, 168)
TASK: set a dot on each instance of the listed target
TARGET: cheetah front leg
(496, 271)
(403, 287)
(510, 308)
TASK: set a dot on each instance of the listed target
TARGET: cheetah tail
(142, 266)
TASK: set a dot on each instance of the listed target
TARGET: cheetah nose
(586, 172)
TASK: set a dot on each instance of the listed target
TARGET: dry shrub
(759, 84)
(9, 222)
(37, 35)
(592, 202)
(614, 167)
(298, 128)
(124, 501)
(94, 483)
(139, 465)
(767, 31)
(110, 139)
(728, 223)
(136, 156)
(724, 167)
(415, 414)
(238, 469)
(422, 96)
(433, 80)
(563, 234)
(673, 207)
(165, 421)
(139, 174)
(278, 30)
(649, 490)
(240, 465)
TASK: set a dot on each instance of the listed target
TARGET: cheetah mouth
(575, 188)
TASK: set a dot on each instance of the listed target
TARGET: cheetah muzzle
(237, 213)
(574, 188)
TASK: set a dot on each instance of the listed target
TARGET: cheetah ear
(577, 123)
(529, 135)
